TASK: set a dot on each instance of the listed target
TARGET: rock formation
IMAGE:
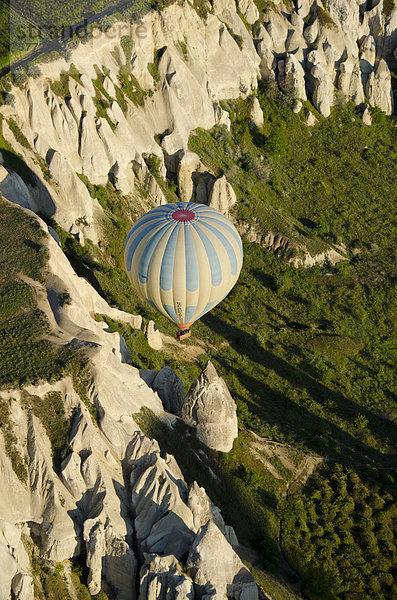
(170, 389)
(221, 573)
(210, 408)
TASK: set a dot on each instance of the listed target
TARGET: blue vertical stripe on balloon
(143, 221)
(192, 273)
(148, 252)
(226, 244)
(215, 266)
(135, 243)
(226, 224)
(167, 263)
(170, 310)
(206, 309)
(189, 312)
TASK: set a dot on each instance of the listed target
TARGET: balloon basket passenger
(183, 334)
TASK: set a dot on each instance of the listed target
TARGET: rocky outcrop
(330, 46)
(222, 196)
(210, 408)
(378, 88)
(170, 389)
(220, 573)
(163, 577)
(153, 335)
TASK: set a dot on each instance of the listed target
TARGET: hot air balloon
(183, 259)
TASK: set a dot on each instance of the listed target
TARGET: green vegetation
(183, 47)
(10, 442)
(237, 38)
(18, 135)
(54, 581)
(26, 353)
(308, 354)
(153, 67)
(387, 8)
(324, 17)
(50, 411)
(339, 532)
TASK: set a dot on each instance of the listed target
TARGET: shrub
(19, 76)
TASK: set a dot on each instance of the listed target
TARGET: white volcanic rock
(311, 32)
(189, 163)
(153, 336)
(222, 196)
(14, 189)
(366, 116)
(94, 536)
(257, 113)
(170, 389)
(162, 577)
(203, 510)
(110, 557)
(321, 77)
(249, 9)
(213, 560)
(211, 409)
(378, 88)
(80, 205)
(52, 501)
(163, 522)
(367, 54)
(350, 80)
(277, 28)
(291, 77)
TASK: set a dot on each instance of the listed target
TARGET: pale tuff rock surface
(366, 116)
(210, 408)
(162, 577)
(170, 389)
(13, 564)
(189, 163)
(378, 88)
(222, 568)
(222, 196)
(153, 335)
(256, 113)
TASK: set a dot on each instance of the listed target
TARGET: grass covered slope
(26, 354)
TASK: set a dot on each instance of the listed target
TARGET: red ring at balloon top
(183, 215)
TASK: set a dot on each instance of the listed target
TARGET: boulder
(222, 196)
(153, 336)
(210, 408)
(189, 163)
(171, 390)
(366, 116)
(256, 113)
(212, 560)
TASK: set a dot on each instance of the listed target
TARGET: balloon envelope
(183, 258)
